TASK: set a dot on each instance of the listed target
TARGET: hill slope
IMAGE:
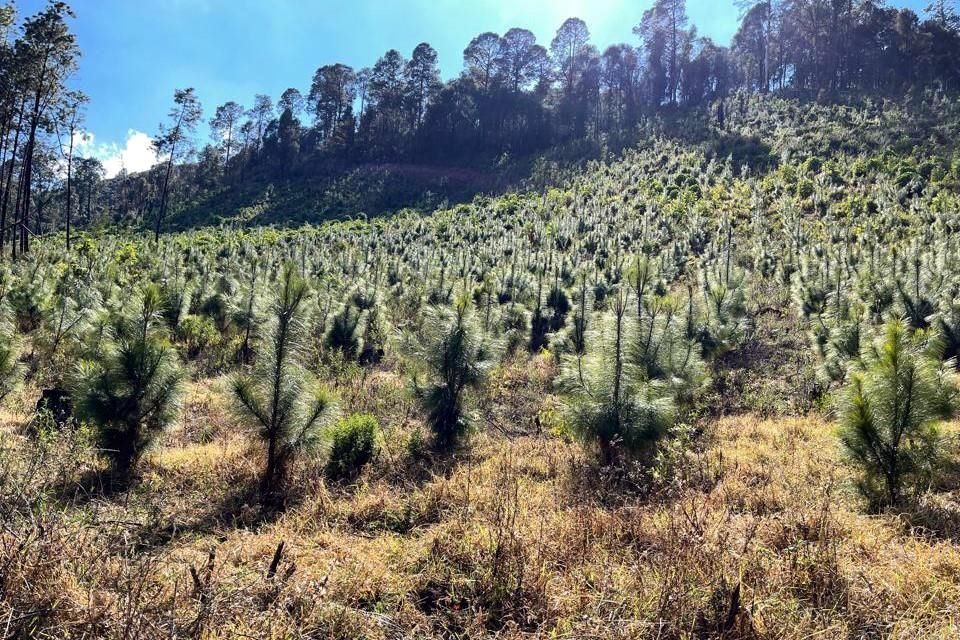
(758, 133)
(745, 296)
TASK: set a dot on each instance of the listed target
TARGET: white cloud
(136, 155)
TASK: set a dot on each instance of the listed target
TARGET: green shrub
(131, 392)
(199, 333)
(889, 413)
(344, 333)
(11, 371)
(354, 443)
(417, 447)
(457, 357)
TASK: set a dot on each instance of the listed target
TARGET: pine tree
(457, 357)
(286, 406)
(11, 370)
(889, 411)
(131, 391)
(611, 401)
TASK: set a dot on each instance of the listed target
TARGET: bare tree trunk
(163, 198)
(9, 182)
(174, 136)
(17, 209)
(69, 184)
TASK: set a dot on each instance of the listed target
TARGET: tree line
(513, 97)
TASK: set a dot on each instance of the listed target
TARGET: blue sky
(136, 52)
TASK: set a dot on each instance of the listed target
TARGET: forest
(659, 342)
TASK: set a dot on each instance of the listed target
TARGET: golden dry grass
(756, 534)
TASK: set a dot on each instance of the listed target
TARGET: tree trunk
(9, 182)
(69, 185)
(163, 198)
(174, 137)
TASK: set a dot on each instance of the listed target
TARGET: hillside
(614, 407)
(637, 324)
(757, 133)
(758, 537)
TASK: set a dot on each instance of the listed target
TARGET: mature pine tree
(45, 57)
(224, 127)
(175, 141)
(423, 82)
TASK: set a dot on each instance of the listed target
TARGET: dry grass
(756, 534)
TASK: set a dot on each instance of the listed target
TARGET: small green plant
(247, 315)
(610, 400)
(199, 333)
(281, 401)
(344, 333)
(889, 412)
(131, 392)
(457, 357)
(11, 371)
(416, 447)
(726, 322)
(354, 443)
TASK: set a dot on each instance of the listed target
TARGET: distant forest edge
(395, 135)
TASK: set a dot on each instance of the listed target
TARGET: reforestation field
(667, 399)
(657, 343)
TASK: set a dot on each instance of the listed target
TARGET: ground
(754, 530)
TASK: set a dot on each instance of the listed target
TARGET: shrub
(26, 300)
(890, 409)
(131, 392)
(199, 333)
(58, 341)
(727, 321)
(374, 337)
(417, 447)
(514, 324)
(354, 443)
(11, 371)
(344, 332)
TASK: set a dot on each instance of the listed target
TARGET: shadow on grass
(935, 515)
(241, 507)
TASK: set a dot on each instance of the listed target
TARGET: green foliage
(26, 300)
(709, 253)
(354, 443)
(281, 401)
(889, 410)
(839, 341)
(198, 333)
(612, 400)
(11, 370)
(131, 391)
(247, 314)
(417, 447)
(726, 321)
(66, 321)
(456, 356)
(344, 333)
